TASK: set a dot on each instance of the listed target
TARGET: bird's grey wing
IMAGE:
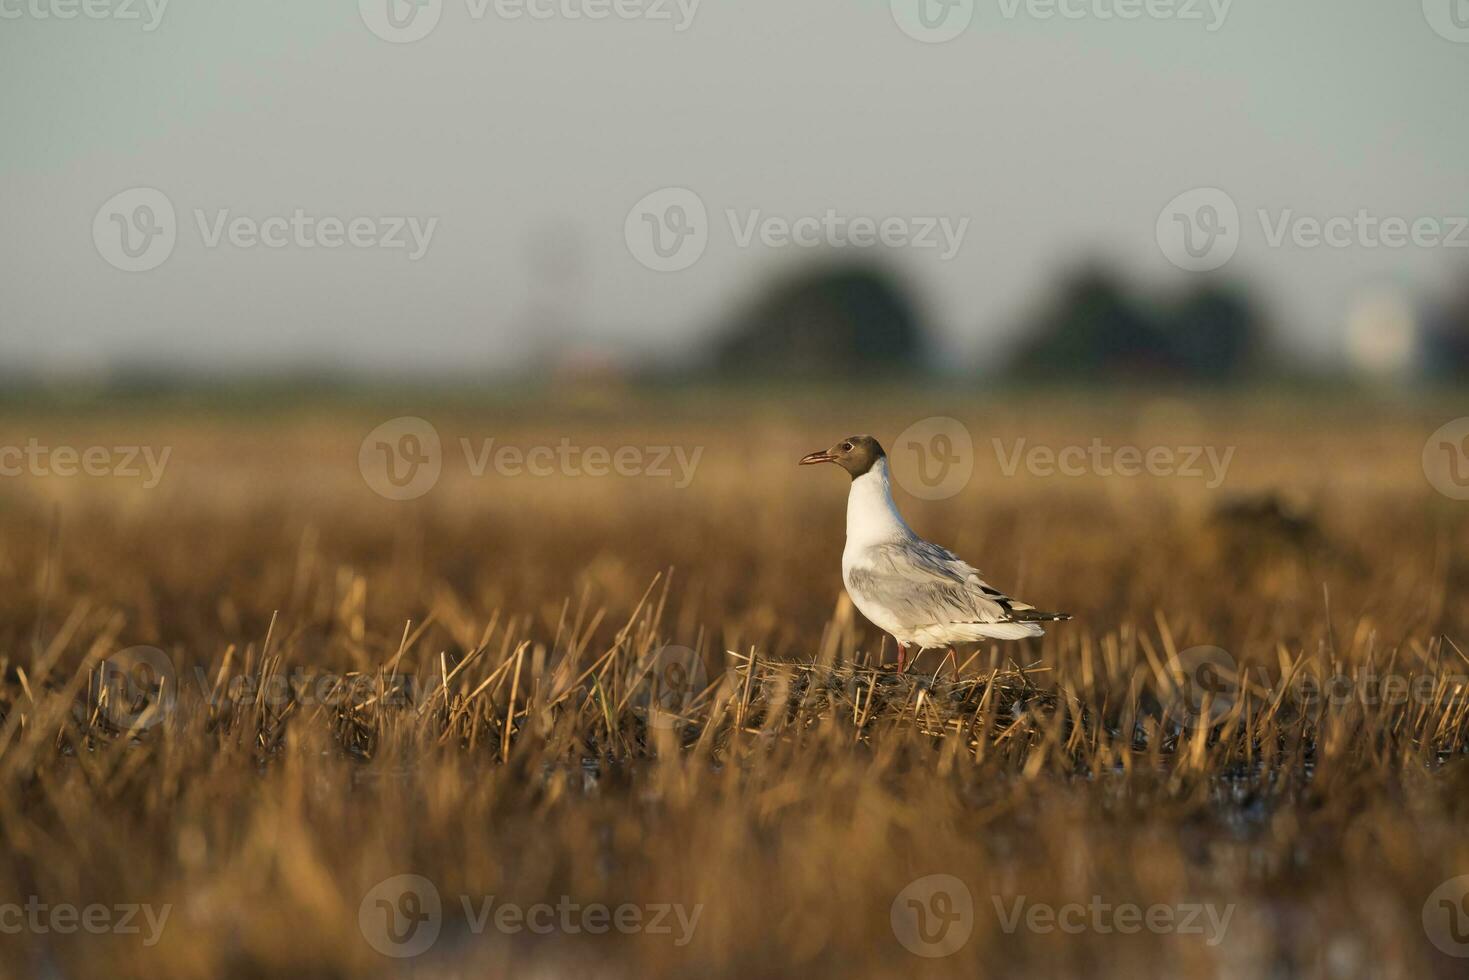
(924, 583)
(921, 575)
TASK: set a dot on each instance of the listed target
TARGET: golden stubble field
(625, 725)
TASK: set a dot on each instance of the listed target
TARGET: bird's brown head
(855, 454)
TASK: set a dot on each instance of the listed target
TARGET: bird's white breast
(872, 519)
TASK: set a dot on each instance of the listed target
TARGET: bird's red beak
(821, 457)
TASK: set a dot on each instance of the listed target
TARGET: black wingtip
(1036, 616)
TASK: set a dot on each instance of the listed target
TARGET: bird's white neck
(872, 517)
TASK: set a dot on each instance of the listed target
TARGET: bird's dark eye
(846, 447)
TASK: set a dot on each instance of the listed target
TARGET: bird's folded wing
(931, 584)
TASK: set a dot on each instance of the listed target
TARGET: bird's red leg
(902, 657)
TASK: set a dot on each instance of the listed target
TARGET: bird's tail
(1036, 616)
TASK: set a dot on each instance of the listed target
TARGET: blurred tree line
(854, 318)
(829, 321)
(840, 319)
(1096, 328)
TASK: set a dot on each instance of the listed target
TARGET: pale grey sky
(1057, 138)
